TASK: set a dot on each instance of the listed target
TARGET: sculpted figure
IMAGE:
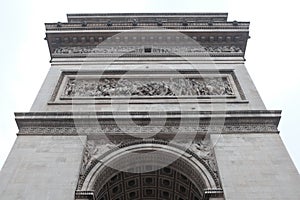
(204, 150)
(131, 87)
(93, 150)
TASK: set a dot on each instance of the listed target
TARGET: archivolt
(185, 162)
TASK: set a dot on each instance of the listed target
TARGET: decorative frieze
(178, 50)
(114, 129)
(105, 87)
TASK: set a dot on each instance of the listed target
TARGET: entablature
(144, 43)
(188, 34)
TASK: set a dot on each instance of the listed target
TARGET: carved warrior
(204, 150)
(106, 87)
(93, 150)
(140, 50)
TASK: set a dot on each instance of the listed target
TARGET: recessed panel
(167, 87)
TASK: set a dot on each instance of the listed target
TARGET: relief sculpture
(98, 50)
(204, 150)
(93, 150)
(141, 50)
(106, 87)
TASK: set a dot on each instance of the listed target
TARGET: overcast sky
(272, 52)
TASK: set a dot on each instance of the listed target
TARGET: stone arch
(186, 163)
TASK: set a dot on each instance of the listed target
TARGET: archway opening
(165, 183)
(149, 170)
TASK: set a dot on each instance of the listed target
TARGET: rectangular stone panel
(146, 86)
(78, 87)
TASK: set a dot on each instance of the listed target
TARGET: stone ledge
(117, 124)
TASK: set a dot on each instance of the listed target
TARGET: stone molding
(88, 123)
(129, 25)
(84, 195)
(216, 194)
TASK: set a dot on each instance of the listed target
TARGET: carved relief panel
(135, 87)
(153, 50)
(194, 87)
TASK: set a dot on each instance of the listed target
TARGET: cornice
(223, 15)
(136, 18)
(71, 115)
(208, 29)
(100, 44)
(241, 26)
(86, 123)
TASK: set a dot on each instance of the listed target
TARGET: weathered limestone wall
(255, 166)
(42, 167)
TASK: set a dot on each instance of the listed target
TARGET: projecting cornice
(141, 17)
(233, 26)
(194, 34)
(99, 123)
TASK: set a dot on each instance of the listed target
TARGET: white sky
(271, 54)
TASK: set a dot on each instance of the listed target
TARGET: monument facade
(148, 106)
